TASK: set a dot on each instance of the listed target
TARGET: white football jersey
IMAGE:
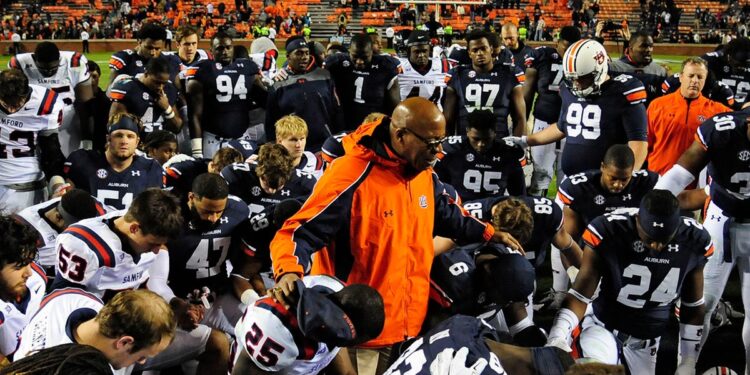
(15, 316)
(90, 254)
(58, 315)
(274, 344)
(73, 70)
(311, 164)
(19, 162)
(266, 63)
(34, 217)
(430, 86)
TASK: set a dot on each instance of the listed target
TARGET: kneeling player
(305, 337)
(646, 259)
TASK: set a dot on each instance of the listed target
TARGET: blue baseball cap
(657, 227)
(321, 319)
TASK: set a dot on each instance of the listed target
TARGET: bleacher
(615, 10)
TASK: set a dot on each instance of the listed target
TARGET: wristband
(690, 341)
(196, 146)
(565, 322)
(249, 297)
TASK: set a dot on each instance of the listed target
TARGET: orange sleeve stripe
(698, 139)
(116, 63)
(521, 78)
(710, 251)
(591, 239)
(116, 96)
(636, 96)
(664, 87)
(171, 172)
(563, 198)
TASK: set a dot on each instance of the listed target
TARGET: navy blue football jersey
(198, 256)
(485, 91)
(246, 147)
(738, 79)
(639, 285)
(244, 183)
(332, 147)
(179, 176)
(594, 123)
(361, 91)
(141, 101)
(258, 234)
(226, 95)
(460, 56)
(549, 75)
(131, 63)
(90, 171)
(652, 75)
(447, 338)
(521, 54)
(584, 193)
(717, 91)
(724, 138)
(548, 219)
(476, 175)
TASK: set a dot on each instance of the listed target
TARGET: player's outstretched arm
(194, 98)
(568, 247)
(640, 150)
(572, 223)
(692, 161)
(519, 111)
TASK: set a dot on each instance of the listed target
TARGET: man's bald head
(509, 34)
(417, 128)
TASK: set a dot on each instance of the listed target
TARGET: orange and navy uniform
(377, 218)
(672, 123)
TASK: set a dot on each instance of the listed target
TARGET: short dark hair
(158, 65)
(361, 41)
(619, 156)
(157, 212)
(738, 49)
(643, 33)
(211, 186)
(80, 204)
(46, 52)
(18, 242)
(481, 120)
(221, 34)
(364, 306)
(14, 86)
(158, 138)
(62, 359)
(570, 34)
(185, 31)
(660, 203)
(226, 156)
(240, 52)
(479, 34)
(152, 31)
(94, 67)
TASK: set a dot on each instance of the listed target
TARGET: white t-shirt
(84, 35)
(169, 34)
(16, 37)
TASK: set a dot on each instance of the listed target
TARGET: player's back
(179, 176)
(60, 312)
(457, 333)
(226, 91)
(596, 122)
(297, 354)
(429, 85)
(94, 257)
(72, 70)
(548, 65)
(584, 194)
(738, 79)
(725, 139)
(19, 131)
(639, 285)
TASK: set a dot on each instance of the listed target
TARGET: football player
(420, 74)
(730, 67)
(269, 180)
(311, 334)
(544, 75)
(118, 175)
(52, 217)
(639, 63)
(646, 259)
(160, 145)
(187, 47)
(225, 86)
(264, 53)
(180, 174)
(67, 74)
(520, 51)
(485, 84)
(150, 96)
(132, 327)
(29, 148)
(724, 142)
(477, 164)
(22, 283)
(365, 82)
(291, 132)
(597, 111)
(131, 62)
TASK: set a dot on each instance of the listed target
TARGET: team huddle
(354, 212)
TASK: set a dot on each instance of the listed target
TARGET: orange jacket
(672, 122)
(377, 220)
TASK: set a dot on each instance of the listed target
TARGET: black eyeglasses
(431, 144)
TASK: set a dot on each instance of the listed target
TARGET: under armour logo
(658, 225)
(286, 193)
(388, 213)
(715, 217)
(627, 197)
(224, 220)
(496, 158)
(673, 248)
(136, 173)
